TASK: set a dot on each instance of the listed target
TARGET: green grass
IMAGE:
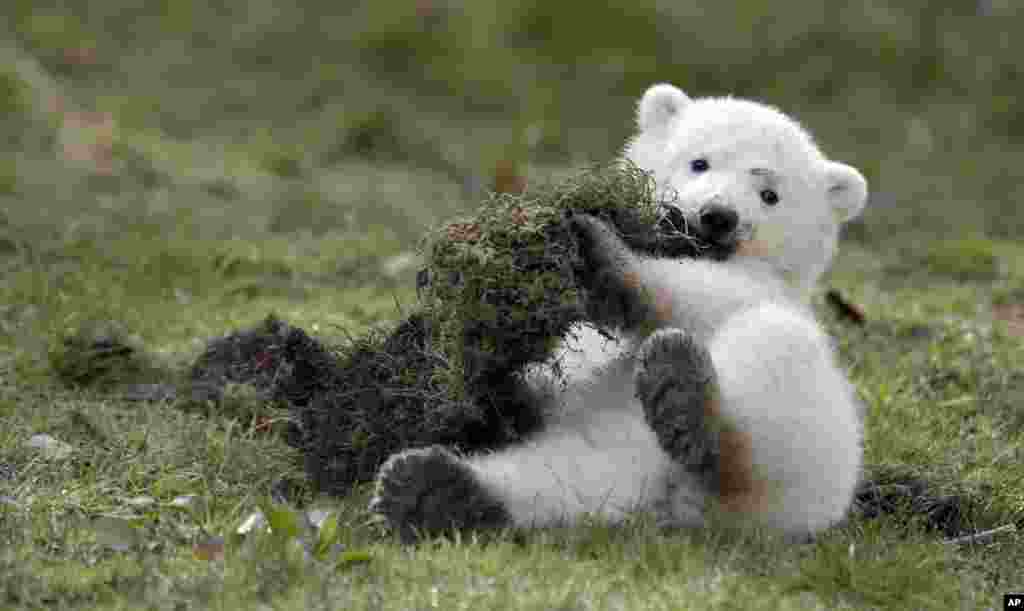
(270, 163)
(941, 383)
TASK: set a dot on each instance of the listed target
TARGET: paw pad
(672, 357)
(430, 490)
(675, 382)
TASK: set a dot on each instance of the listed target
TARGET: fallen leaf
(263, 424)
(80, 56)
(211, 549)
(87, 138)
(507, 178)
(1013, 315)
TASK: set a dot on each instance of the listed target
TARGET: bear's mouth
(675, 227)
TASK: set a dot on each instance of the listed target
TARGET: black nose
(717, 222)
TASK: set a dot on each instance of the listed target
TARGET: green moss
(502, 281)
(501, 287)
(103, 354)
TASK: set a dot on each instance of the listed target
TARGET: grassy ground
(941, 382)
(198, 169)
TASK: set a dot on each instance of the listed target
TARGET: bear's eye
(700, 165)
(769, 197)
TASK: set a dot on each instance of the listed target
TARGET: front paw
(675, 382)
(600, 245)
(613, 295)
(428, 491)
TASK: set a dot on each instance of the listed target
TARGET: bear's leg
(702, 426)
(604, 462)
(790, 434)
(426, 491)
(677, 386)
(605, 467)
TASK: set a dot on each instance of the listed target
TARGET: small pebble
(50, 447)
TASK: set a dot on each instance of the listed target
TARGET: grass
(266, 163)
(940, 379)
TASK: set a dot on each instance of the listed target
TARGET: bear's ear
(847, 190)
(659, 105)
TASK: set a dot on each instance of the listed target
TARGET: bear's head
(742, 173)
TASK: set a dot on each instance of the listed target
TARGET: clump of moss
(388, 392)
(239, 369)
(506, 282)
(896, 491)
(500, 289)
(103, 354)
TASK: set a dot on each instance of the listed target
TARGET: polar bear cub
(699, 386)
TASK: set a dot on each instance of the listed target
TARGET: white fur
(778, 382)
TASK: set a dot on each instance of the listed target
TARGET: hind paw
(428, 491)
(675, 382)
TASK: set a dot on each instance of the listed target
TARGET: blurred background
(246, 119)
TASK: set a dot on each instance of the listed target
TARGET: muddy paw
(613, 296)
(675, 382)
(428, 491)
